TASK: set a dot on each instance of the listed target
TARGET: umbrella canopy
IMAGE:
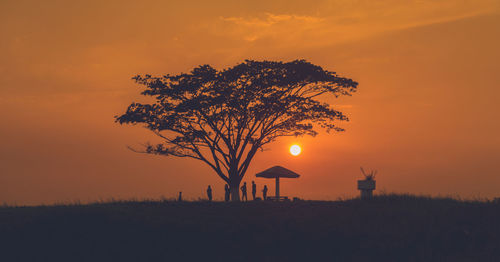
(277, 171)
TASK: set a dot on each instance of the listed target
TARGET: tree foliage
(224, 117)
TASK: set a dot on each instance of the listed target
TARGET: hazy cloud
(268, 25)
(340, 21)
(270, 19)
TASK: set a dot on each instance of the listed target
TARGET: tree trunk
(234, 182)
(235, 192)
(234, 187)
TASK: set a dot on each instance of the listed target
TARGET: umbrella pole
(278, 188)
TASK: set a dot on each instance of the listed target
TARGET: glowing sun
(295, 150)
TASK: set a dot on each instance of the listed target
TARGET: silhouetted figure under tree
(223, 117)
(254, 190)
(264, 192)
(227, 192)
(244, 191)
(209, 193)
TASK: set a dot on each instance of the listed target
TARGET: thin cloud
(270, 25)
(341, 23)
(270, 19)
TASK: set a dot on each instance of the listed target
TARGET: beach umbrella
(277, 172)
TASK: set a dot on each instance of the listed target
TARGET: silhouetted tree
(224, 117)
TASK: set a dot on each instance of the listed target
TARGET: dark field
(387, 228)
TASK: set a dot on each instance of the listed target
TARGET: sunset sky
(426, 114)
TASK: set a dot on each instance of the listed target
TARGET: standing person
(254, 190)
(180, 197)
(209, 193)
(244, 192)
(264, 192)
(228, 192)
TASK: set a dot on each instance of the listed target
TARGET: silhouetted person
(180, 197)
(227, 193)
(209, 193)
(244, 192)
(254, 190)
(264, 192)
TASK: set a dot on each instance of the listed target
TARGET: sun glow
(295, 150)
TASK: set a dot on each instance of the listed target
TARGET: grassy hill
(386, 228)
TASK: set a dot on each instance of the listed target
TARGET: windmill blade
(362, 171)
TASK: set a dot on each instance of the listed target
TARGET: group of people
(227, 195)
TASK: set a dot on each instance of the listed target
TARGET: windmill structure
(367, 185)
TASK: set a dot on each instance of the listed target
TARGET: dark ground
(387, 228)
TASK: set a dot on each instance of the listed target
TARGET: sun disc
(295, 150)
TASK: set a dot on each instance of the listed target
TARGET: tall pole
(278, 188)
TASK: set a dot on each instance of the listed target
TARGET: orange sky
(425, 116)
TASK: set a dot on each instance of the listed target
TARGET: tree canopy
(223, 117)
